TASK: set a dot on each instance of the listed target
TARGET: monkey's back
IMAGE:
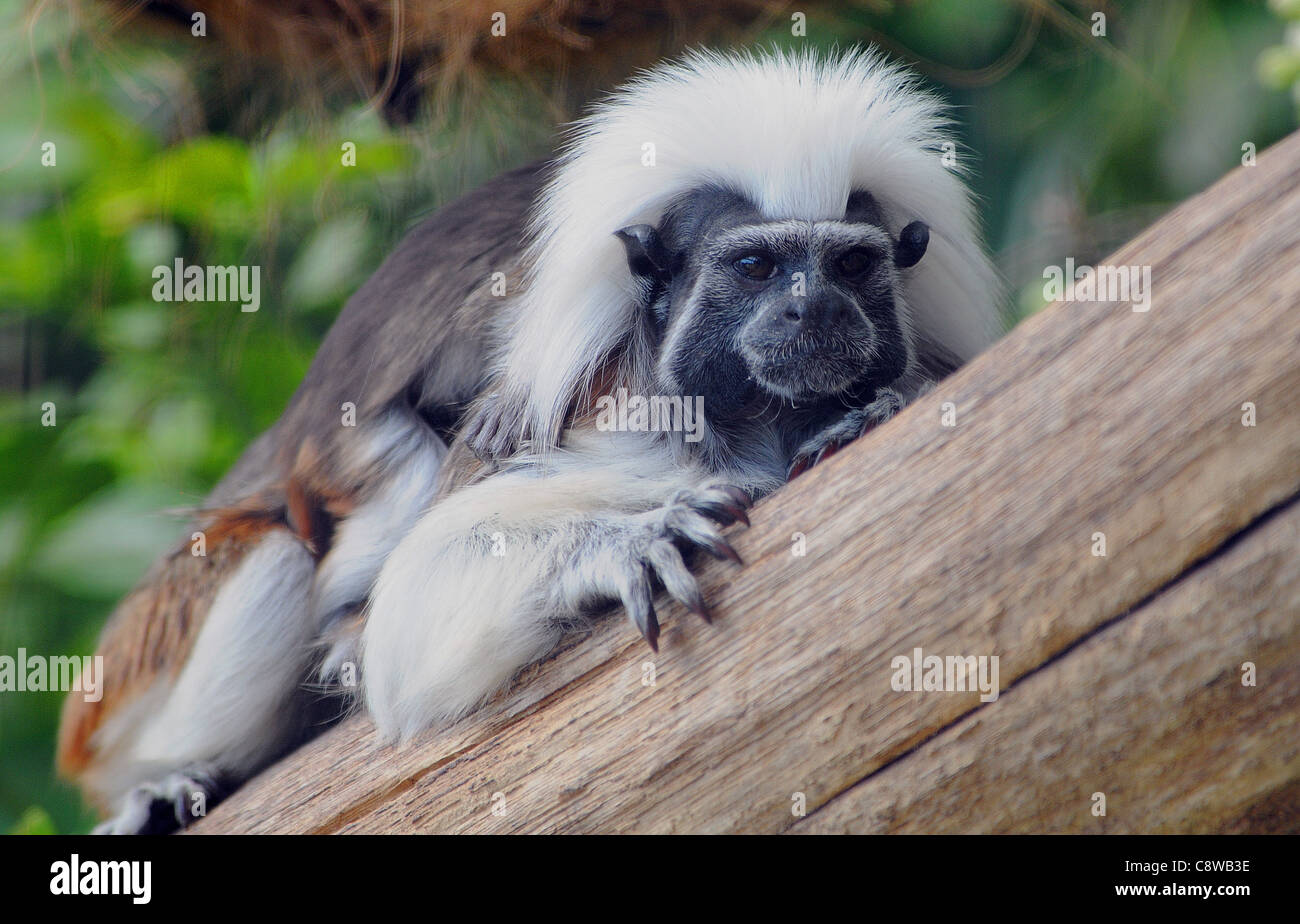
(416, 336)
(419, 331)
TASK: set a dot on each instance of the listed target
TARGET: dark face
(747, 310)
(814, 304)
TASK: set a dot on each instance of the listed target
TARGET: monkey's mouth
(812, 371)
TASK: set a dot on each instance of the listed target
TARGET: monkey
(779, 235)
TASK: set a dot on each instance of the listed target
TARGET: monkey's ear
(646, 254)
(912, 241)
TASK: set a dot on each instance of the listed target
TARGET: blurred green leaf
(97, 547)
(330, 263)
(35, 820)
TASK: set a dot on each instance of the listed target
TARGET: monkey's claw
(653, 549)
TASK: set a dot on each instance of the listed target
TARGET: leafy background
(1080, 142)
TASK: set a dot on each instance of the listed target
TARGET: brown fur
(151, 632)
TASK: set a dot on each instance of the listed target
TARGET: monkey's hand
(494, 428)
(620, 559)
(856, 422)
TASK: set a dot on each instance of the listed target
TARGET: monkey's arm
(487, 581)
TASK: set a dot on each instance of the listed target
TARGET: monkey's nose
(806, 314)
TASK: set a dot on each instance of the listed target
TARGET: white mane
(795, 133)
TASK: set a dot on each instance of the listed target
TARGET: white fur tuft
(410, 457)
(795, 133)
(228, 709)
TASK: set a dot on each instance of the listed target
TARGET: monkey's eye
(755, 266)
(855, 262)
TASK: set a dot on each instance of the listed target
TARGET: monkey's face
(746, 309)
(811, 306)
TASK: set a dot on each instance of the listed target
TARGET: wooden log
(1154, 711)
(975, 539)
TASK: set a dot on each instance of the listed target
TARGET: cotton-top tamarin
(776, 236)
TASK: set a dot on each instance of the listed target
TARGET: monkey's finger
(477, 446)
(737, 514)
(714, 492)
(719, 492)
(724, 512)
(181, 808)
(496, 431)
(677, 578)
(724, 502)
(638, 599)
(699, 530)
(722, 550)
(709, 539)
(738, 496)
(502, 442)
(481, 426)
(470, 432)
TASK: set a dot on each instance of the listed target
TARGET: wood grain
(973, 539)
(1151, 711)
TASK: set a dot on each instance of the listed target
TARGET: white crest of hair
(796, 133)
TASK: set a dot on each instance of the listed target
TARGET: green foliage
(154, 400)
(1279, 65)
(1081, 141)
(34, 821)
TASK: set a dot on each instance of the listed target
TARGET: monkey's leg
(405, 458)
(185, 715)
(487, 580)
